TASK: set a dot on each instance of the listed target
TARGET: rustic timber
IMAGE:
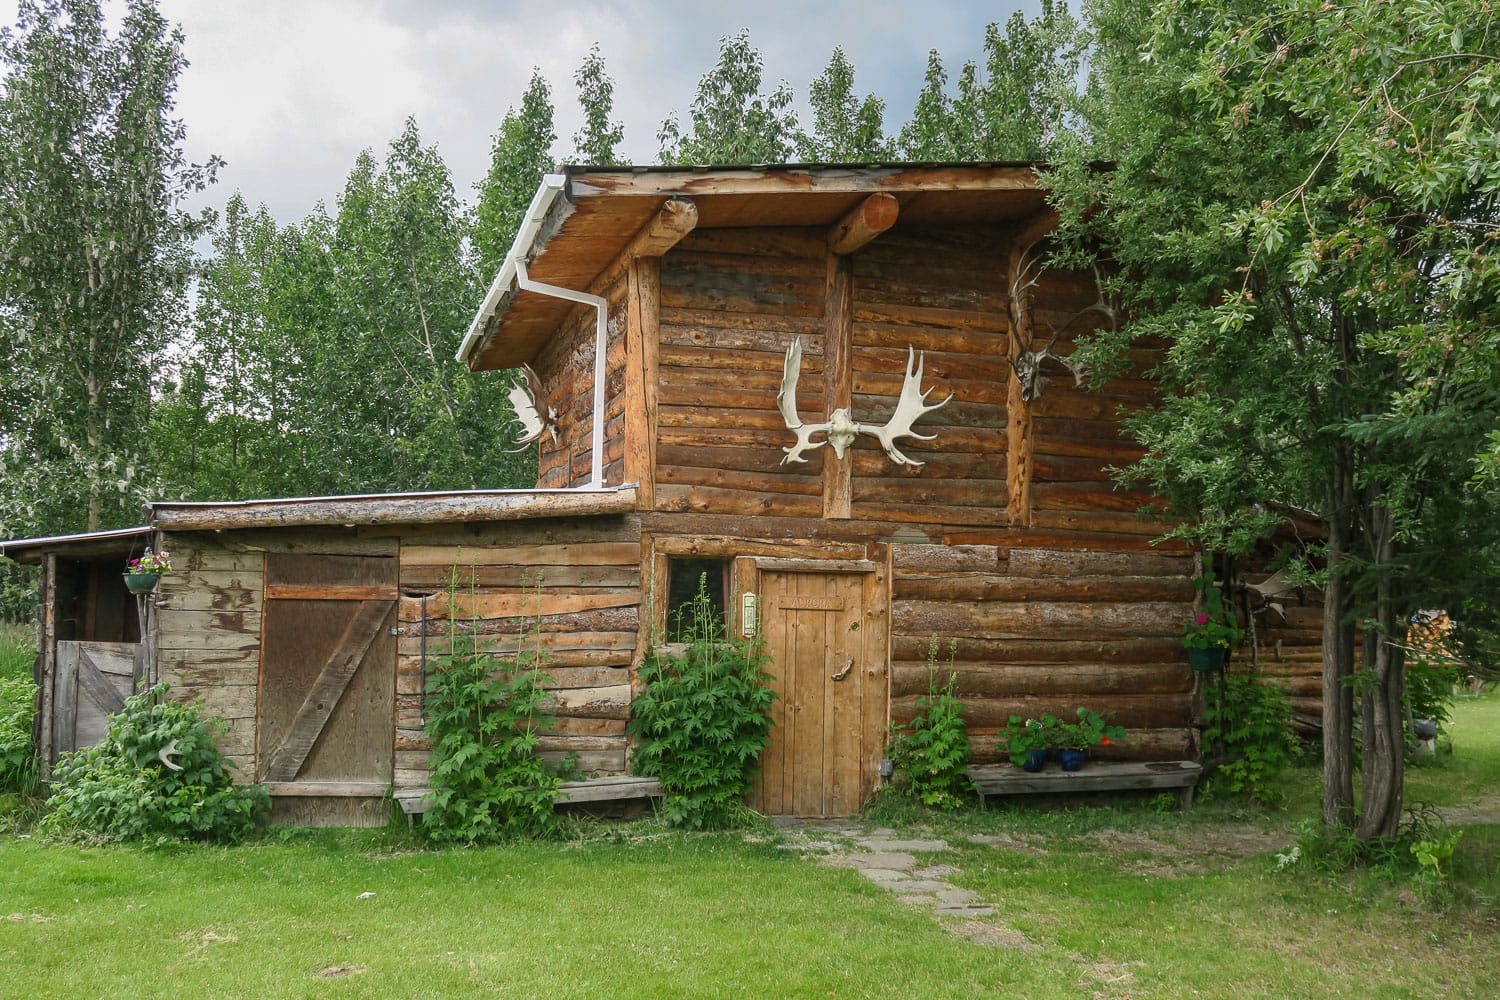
(409, 508)
(871, 217)
(1096, 776)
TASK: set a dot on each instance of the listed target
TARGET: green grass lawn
(1105, 902)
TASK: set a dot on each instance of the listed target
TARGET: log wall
(1034, 631)
(940, 292)
(732, 301)
(566, 368)
(568, 590)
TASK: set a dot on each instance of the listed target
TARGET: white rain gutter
(514, 269)
(601, 336)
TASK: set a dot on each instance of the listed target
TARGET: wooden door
(825, 636)
(328, 669)
(91, 683)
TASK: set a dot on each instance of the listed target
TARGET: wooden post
(1020, 443)
(48, 678)
(838, 378)
(642, 336)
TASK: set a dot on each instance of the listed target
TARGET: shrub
(122, 789)
(1250, 723)
(702, 722)
(932, 751)
(17, 751)
(485, 714)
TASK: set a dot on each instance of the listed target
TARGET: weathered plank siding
(568, 591)
(209, 634)
(1031, 631)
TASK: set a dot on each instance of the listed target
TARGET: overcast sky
(289, 91)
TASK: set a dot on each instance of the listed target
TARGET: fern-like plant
(932, 751)
(485, 714)
(702, 721)
(157, 775)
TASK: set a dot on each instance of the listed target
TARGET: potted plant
(142, 572)
(1027, 741)
(1075, 738)
(1212, 631)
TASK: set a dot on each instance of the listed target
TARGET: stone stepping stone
(905, 846)
(935, 871)
(884, 875)
(914, 885)
(970, 910)
(956, 897)
(886, 859)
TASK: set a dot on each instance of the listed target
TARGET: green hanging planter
(141, 583)
(1207, 659)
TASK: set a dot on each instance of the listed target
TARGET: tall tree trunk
(1338, 656)
(1382, 772)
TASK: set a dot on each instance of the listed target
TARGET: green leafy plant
(1091, 730)
(150, 562)
(18, 771)
(932, 751)
(702, 721)
(1213, 626)
(157, 775)
(1250, 728)
(1435, 877)
(1020, 735)
(485, 714)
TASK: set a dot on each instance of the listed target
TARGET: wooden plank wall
(566, 367)
(570, 587)
(732, 301)
(940, 291)
(1040, 630)
(209, 632)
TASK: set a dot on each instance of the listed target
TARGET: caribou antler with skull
(1025, 274)
(841, 428)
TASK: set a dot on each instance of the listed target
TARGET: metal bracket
(845, 672)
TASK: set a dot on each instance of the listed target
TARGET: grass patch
(17, 650)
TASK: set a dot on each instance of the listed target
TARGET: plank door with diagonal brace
(328, 669)
(91, 683)
(828, 668)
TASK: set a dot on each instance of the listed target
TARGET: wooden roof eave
(610, 209)
(116, 542)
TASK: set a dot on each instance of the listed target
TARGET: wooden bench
(1180, 776)
(615, 788)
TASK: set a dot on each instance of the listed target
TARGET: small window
(685, 577)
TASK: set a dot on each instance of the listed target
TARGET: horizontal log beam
(412, 508)
(869, 219)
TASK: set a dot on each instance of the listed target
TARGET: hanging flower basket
(141, 583)
(1207, 659)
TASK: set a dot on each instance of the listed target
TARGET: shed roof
(454, 506)
(583, 219)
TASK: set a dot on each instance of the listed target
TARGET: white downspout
(601, 336)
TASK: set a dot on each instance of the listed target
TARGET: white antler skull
(527, 402)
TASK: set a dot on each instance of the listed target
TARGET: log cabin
(839, 397)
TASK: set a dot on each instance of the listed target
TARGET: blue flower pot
(1035, 760)
(1207, 659)
(1072, 760)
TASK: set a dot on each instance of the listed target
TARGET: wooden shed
(697, 337)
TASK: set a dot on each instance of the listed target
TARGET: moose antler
(526, 401)
(841, 428)
(911, 406)
(1026, 272)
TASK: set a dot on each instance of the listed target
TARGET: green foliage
(1020, 735)
(520, 154)
(932, 751)
(1213, 626)
(1250, 730)
(1430, 680)
(731, 121)
(18, 593)
(846, 128)
(18, 766)
(595, 142)
(484, 716)
(1435, 877)
(702, 721)
(1091, 730)
(120, 788)
(96, 253)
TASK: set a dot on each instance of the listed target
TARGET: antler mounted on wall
(527, 401)
(1025, 274)
(841, 428)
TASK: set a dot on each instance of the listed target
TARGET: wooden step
(614, 788)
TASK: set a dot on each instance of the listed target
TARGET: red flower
(1104, 740)
(1202, 619)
